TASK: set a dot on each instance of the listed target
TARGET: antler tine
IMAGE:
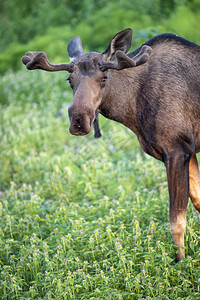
(143, 55)
(38, 60)
(122, 61)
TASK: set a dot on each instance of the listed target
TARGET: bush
(97, 26)
(184, 22)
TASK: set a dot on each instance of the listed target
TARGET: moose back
(154, 91)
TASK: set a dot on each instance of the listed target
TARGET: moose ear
(121, 41)
(74, 48)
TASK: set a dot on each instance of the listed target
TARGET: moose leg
(97, 132)
(177, 166)
(194, 182)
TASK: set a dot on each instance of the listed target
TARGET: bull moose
(155, 92)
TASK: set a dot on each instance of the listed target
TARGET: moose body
(154, 91)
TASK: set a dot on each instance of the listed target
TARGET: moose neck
(119, 98)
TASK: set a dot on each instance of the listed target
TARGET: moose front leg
(194, 182)
(177, 166)
(97, 132)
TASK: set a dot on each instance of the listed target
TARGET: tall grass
(82, 218)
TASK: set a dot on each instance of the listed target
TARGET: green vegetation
(82, 218)
(49, 25)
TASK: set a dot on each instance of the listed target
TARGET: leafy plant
(82, 218)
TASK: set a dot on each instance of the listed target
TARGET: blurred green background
(49, 25)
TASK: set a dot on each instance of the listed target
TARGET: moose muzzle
(80, 121)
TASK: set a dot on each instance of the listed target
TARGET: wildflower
(95, 263)
(136, 223)
(111, 212)
(96, 232)
(91, 240)
(118, 245)
(108, 229)
(105, 261)
(151, 226)
(123, 258)
(122, 227)
(62, 195)
(137, 193)
(120, 188)
(68, 236)
(137, 279)
(77, 259)
(102, 247)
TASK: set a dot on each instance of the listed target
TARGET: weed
(82, 218)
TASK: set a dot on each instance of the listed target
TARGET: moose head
(88, 74)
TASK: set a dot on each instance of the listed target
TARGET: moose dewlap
(154, 91)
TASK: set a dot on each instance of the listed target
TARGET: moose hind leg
(194, 179)
(177, 166)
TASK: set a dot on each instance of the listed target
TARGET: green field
(82, 218)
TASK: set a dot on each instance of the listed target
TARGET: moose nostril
(78, 121)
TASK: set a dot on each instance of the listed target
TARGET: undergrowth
(82, 218)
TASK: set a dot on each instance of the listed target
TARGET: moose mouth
(80, 127)
(78, 133)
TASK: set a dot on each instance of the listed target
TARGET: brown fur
(159, 101)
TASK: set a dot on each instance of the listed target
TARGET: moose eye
(104, 79)
(69, 80)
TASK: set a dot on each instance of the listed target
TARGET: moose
(155, 92)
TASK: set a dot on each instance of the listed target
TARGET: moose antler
(122, 61)
(38, 60)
